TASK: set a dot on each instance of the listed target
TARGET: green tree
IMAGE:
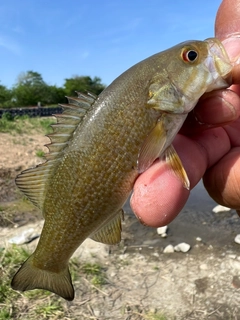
(30, 89)
(5, 97)
(83, 84)
(55, 95)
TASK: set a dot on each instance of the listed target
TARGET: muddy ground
(203, 283)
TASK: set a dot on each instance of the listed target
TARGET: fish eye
(189, 55)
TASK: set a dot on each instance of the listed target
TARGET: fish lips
(219, 65)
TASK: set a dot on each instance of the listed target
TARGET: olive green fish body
(97, 174)
(99, 147)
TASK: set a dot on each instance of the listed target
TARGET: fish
(100, 145)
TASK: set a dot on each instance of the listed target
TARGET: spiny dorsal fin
(67, 122)
(32, 182)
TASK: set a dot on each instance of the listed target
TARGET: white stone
(162, 231)
(237, 239)
(234, 265)
(232, 256)
(24, 237)
(97, 313)
(203, 266)
(199, 239)
(156, 254)
(168, 249)
(182, 247)
(220, 208)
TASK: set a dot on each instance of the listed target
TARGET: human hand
(212, 154)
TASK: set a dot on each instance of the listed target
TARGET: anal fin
(110, 233)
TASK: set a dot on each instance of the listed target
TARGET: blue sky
(60, 39)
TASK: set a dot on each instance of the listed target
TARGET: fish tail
(29, 277)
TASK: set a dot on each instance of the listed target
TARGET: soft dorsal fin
(32, 182)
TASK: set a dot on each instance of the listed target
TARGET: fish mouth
(219, 65)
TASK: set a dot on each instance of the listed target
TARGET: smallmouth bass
(101, 144)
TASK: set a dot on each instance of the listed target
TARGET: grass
(40, 153)
(42, 304)
(33, 303)
(95, 272)
(8, 261)
(155, 316)
(50, 309)
(24, 124)
(37, 304)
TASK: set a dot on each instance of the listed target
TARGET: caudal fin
(29, 277)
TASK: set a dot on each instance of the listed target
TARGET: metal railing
(31, 111)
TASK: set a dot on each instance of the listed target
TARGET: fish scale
(100, 145)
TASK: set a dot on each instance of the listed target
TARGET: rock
(164, 235)
(153, 242)
(220, 208)
(97, 313)
(234, 265)
(203, 266)
(156, 254)
(92, 251)
(182, 247)
(162, 231)
(199, 239)
(237, 239)
(25, 237)
(168, 249)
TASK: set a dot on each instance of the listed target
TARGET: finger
(233, 131)
(214, 109)
(222, 180)
(152, 202)
(227, 29)
(158, 195)
(227, 19)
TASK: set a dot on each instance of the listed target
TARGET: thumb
(228, 19)
(227, 29)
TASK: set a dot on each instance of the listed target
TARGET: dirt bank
(201, 284)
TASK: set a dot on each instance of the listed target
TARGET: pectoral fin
(152, 147)
(175, 162)
(165, 97)
(110, 233)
